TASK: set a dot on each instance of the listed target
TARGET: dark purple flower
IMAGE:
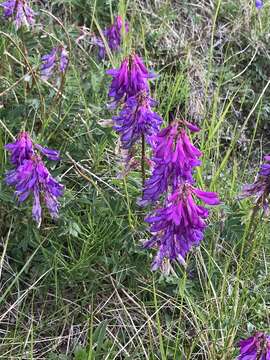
(256, 347)
(174, 158)
(48, 64)
(21, 149)
(260, 189)
(131, 78)
(179, 225)
(20, 11)
(137, 119)
(258, 4)
(33, 178)
(57, 55)
(113, 33)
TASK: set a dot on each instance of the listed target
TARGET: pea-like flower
(31, 177)
(137, 119)
(256, 347)
(20, 12)
(174, 157)
(179, 225)
(131, 78)
(49, 62)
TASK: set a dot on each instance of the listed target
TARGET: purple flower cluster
(256, 347)
(131, 78)
(19, 11)
(112, 34)
(31, 177)
(260, 189)
(57, 55)
(174, 158)
(137, 119)
(178, 225)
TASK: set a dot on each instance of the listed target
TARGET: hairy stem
(143, 161)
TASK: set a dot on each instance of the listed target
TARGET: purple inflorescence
(131, 78)
(57, 55)
(179, 224)
(258, 4)
(112, 35)
(260, 189)
(19, 11)
(174, 158)
(256, 347)
(137, 119)
(31, 177)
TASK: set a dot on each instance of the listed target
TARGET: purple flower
(131, 78)
(20, 11)
(49, 153)
(57, 55)
(179, 225)
(258, 4)
(63, 60)
(48, 64)
(21, 149)
(32, 177)
(137, 119)
(256, 347)
(174, 158)
(113, 33)
(260, 189)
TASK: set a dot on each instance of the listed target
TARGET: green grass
(81, 288)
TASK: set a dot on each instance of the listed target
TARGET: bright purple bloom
(179, 225)
(20, 11)
(258, 4)
(32, 177)
(131, 78)
(256, 347)
(137, 119)
(174, 158)
(57, 55)
(21, 149)
(260, 189)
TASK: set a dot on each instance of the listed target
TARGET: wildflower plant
(30, 176)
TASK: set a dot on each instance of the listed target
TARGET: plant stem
(143, 161)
